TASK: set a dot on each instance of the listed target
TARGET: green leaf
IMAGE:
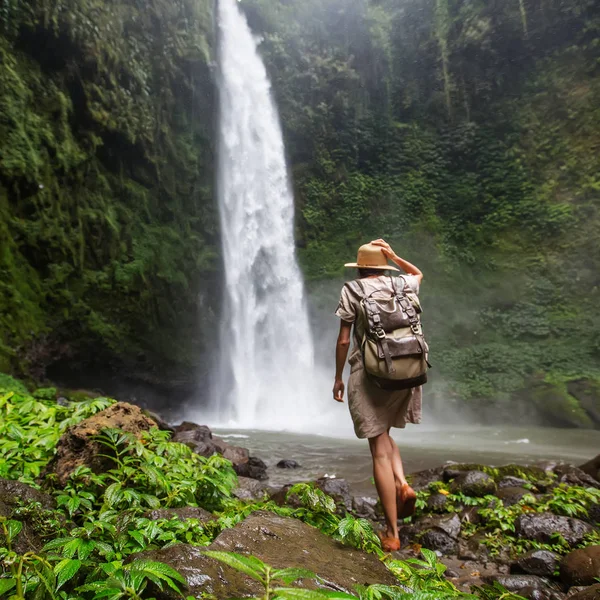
(13, 528)
(250, 565)
(112, 494)
(429, 556)
(86, 547)
(138, 537)
(155, 567)
(300, 594)
(65, 570)
(291, 574)
(71, 547)
(7, 585)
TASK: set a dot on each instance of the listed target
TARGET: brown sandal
(389, 544)
(406, 499)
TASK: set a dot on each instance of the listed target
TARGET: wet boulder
(531, 587)
(540, 527)
(511, 481)
(511, 495)
(78, 446)
(338, 489)
(201, 440)
(473, 549)
(473, 483)
(581, 567)
(14, 494)
(253, 468)
(437, 503)
(365, 507)
(589, 593)
(592, 468)
(574, 476)
(420, 480)
(288, 464)
(250, 489)
(536, 562)
(280, 542)
(197, 437)
(435, 532)
(182, 514)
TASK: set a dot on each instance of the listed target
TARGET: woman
(375, 411)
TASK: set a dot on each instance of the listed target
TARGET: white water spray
(267, 364)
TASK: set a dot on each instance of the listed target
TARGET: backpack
(393, 348)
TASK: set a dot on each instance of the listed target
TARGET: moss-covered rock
(557, 406)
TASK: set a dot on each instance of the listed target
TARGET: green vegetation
(498, 521)
(464, 133)
(89, 544)
(105, 180)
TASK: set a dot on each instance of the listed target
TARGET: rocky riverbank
(95, 494)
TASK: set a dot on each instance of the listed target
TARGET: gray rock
(254, 468)
(473, 549)
(511, 495)
(183, 514)
(574, 476)
(435, 532)
(537, 562)
(338, 489)
(540, 527)
(592, 468)
(278, 541)
(420, 480)
(511, 481)
(528, 586)
(250, 489)
(288, 464)
(437, 502)
(581, 567)
(473, 483)
(590, 593)
(594, 513)
(201, 440)
(365, 507)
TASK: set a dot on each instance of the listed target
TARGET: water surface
(421, 448)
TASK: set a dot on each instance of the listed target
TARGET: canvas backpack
(393, 347)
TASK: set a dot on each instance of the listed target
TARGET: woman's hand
(385, 248)
(338, 390)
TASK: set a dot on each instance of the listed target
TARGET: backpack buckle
(379, 332)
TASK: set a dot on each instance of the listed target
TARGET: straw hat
(371, 257)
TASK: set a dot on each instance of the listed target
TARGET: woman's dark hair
(370, 272)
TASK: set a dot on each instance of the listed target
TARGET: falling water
(266, 347)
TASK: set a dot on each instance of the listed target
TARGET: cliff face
(106, 213)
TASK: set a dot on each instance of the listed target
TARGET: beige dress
(374, 410)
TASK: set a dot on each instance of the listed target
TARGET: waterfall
(266, 351)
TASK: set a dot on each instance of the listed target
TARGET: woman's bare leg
(397, 464)
(383, 471)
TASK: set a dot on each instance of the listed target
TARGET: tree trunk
(592, 467)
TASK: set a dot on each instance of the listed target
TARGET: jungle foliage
(90, 543)
(465, 133)
(105, 179)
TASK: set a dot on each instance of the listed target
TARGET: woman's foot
(407, 499)
(389, 544)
